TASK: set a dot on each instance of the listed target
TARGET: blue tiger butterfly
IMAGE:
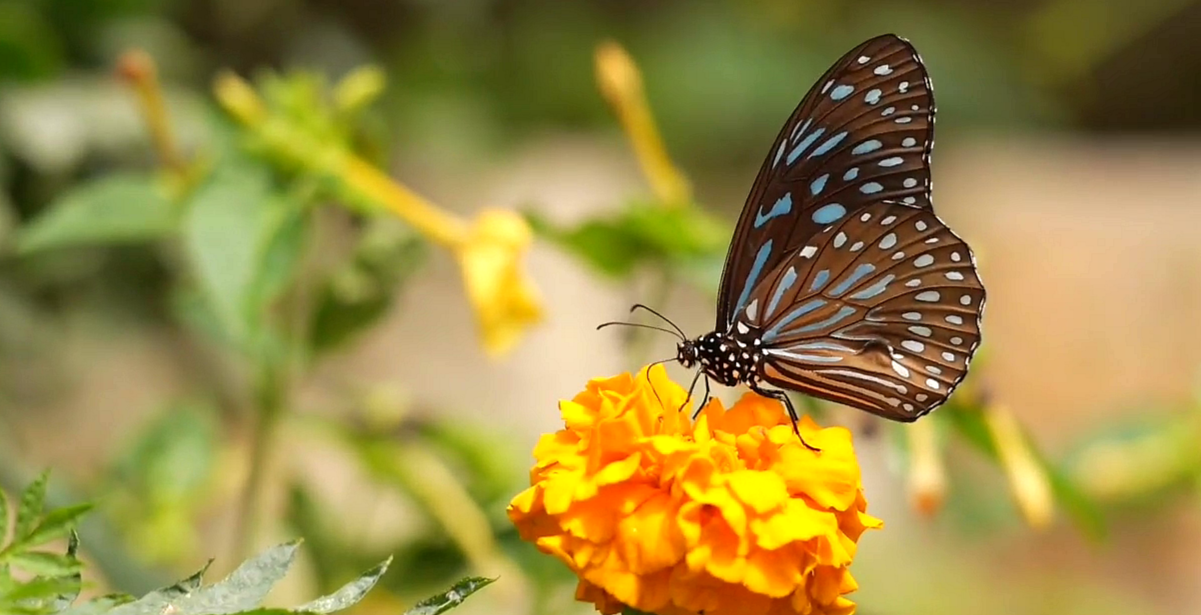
(840, 282)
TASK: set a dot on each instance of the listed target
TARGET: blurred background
(339, 389)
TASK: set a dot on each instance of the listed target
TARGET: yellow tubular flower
(137, 68)
(1027, 479)
(927, 474)
(490, 249)
(621, 84)
(730, 515)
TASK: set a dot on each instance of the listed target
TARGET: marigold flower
(730, 514)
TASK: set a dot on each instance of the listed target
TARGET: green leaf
(45, 564)
(114, 210)
(450, 598)
(33, 499)
(350, 594)
(232, 222)
(3, 516)
(640, 234)
(243, 590)
(359, 294)
(99, 605)
(56, 524)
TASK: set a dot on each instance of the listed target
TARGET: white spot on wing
(929, 296)
(808, 251)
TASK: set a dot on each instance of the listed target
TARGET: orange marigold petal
(772, 573)
(796, 521)
(761, 491)
(650, 539)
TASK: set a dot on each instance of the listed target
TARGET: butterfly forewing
(879, 311)
(863, 134)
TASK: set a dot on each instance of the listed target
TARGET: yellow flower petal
(504, 297)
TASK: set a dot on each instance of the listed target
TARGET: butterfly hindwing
(879, 311)
(862, 134)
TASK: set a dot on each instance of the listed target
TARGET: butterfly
(840, 281)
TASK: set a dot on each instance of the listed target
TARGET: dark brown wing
(862, 134)
(880, 311)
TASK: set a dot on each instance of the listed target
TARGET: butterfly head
(686, 354)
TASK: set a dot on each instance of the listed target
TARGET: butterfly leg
(701, 407)
(690, 389)
(783, 398)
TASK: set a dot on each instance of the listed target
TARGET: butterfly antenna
(664, 318)
(652, 382)
(639, 325)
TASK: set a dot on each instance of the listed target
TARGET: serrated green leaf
(116, 209)
(245, 588)
(39, 591)
(348, 595)
(65, 599)
(45, 564)
(99, 605)
(33, 500)
(450, 598)
(56, 524)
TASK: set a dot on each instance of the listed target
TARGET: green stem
(270, 396)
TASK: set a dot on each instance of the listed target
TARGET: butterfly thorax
(728, 359)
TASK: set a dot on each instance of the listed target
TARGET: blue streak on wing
(868, 146)
(841, 92)
(785, 284)
(820, 279)
(771, 333)
(819, 184)
(871, 188)
(874, 289)
(756, 269)
(829, 213)
(804, 145)
(872, 97)
(830, 144)
(851, 173)
(782, 207)
(862, 271)
(843, 312)
(800, 129)
(819, 346)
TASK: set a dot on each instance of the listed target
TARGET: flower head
(730, 514)
(504, 296)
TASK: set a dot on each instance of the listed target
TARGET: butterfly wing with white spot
(880, 311)
(863, 134)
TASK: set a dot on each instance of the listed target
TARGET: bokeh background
(1066, 155)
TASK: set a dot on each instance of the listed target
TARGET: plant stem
(270, 396)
